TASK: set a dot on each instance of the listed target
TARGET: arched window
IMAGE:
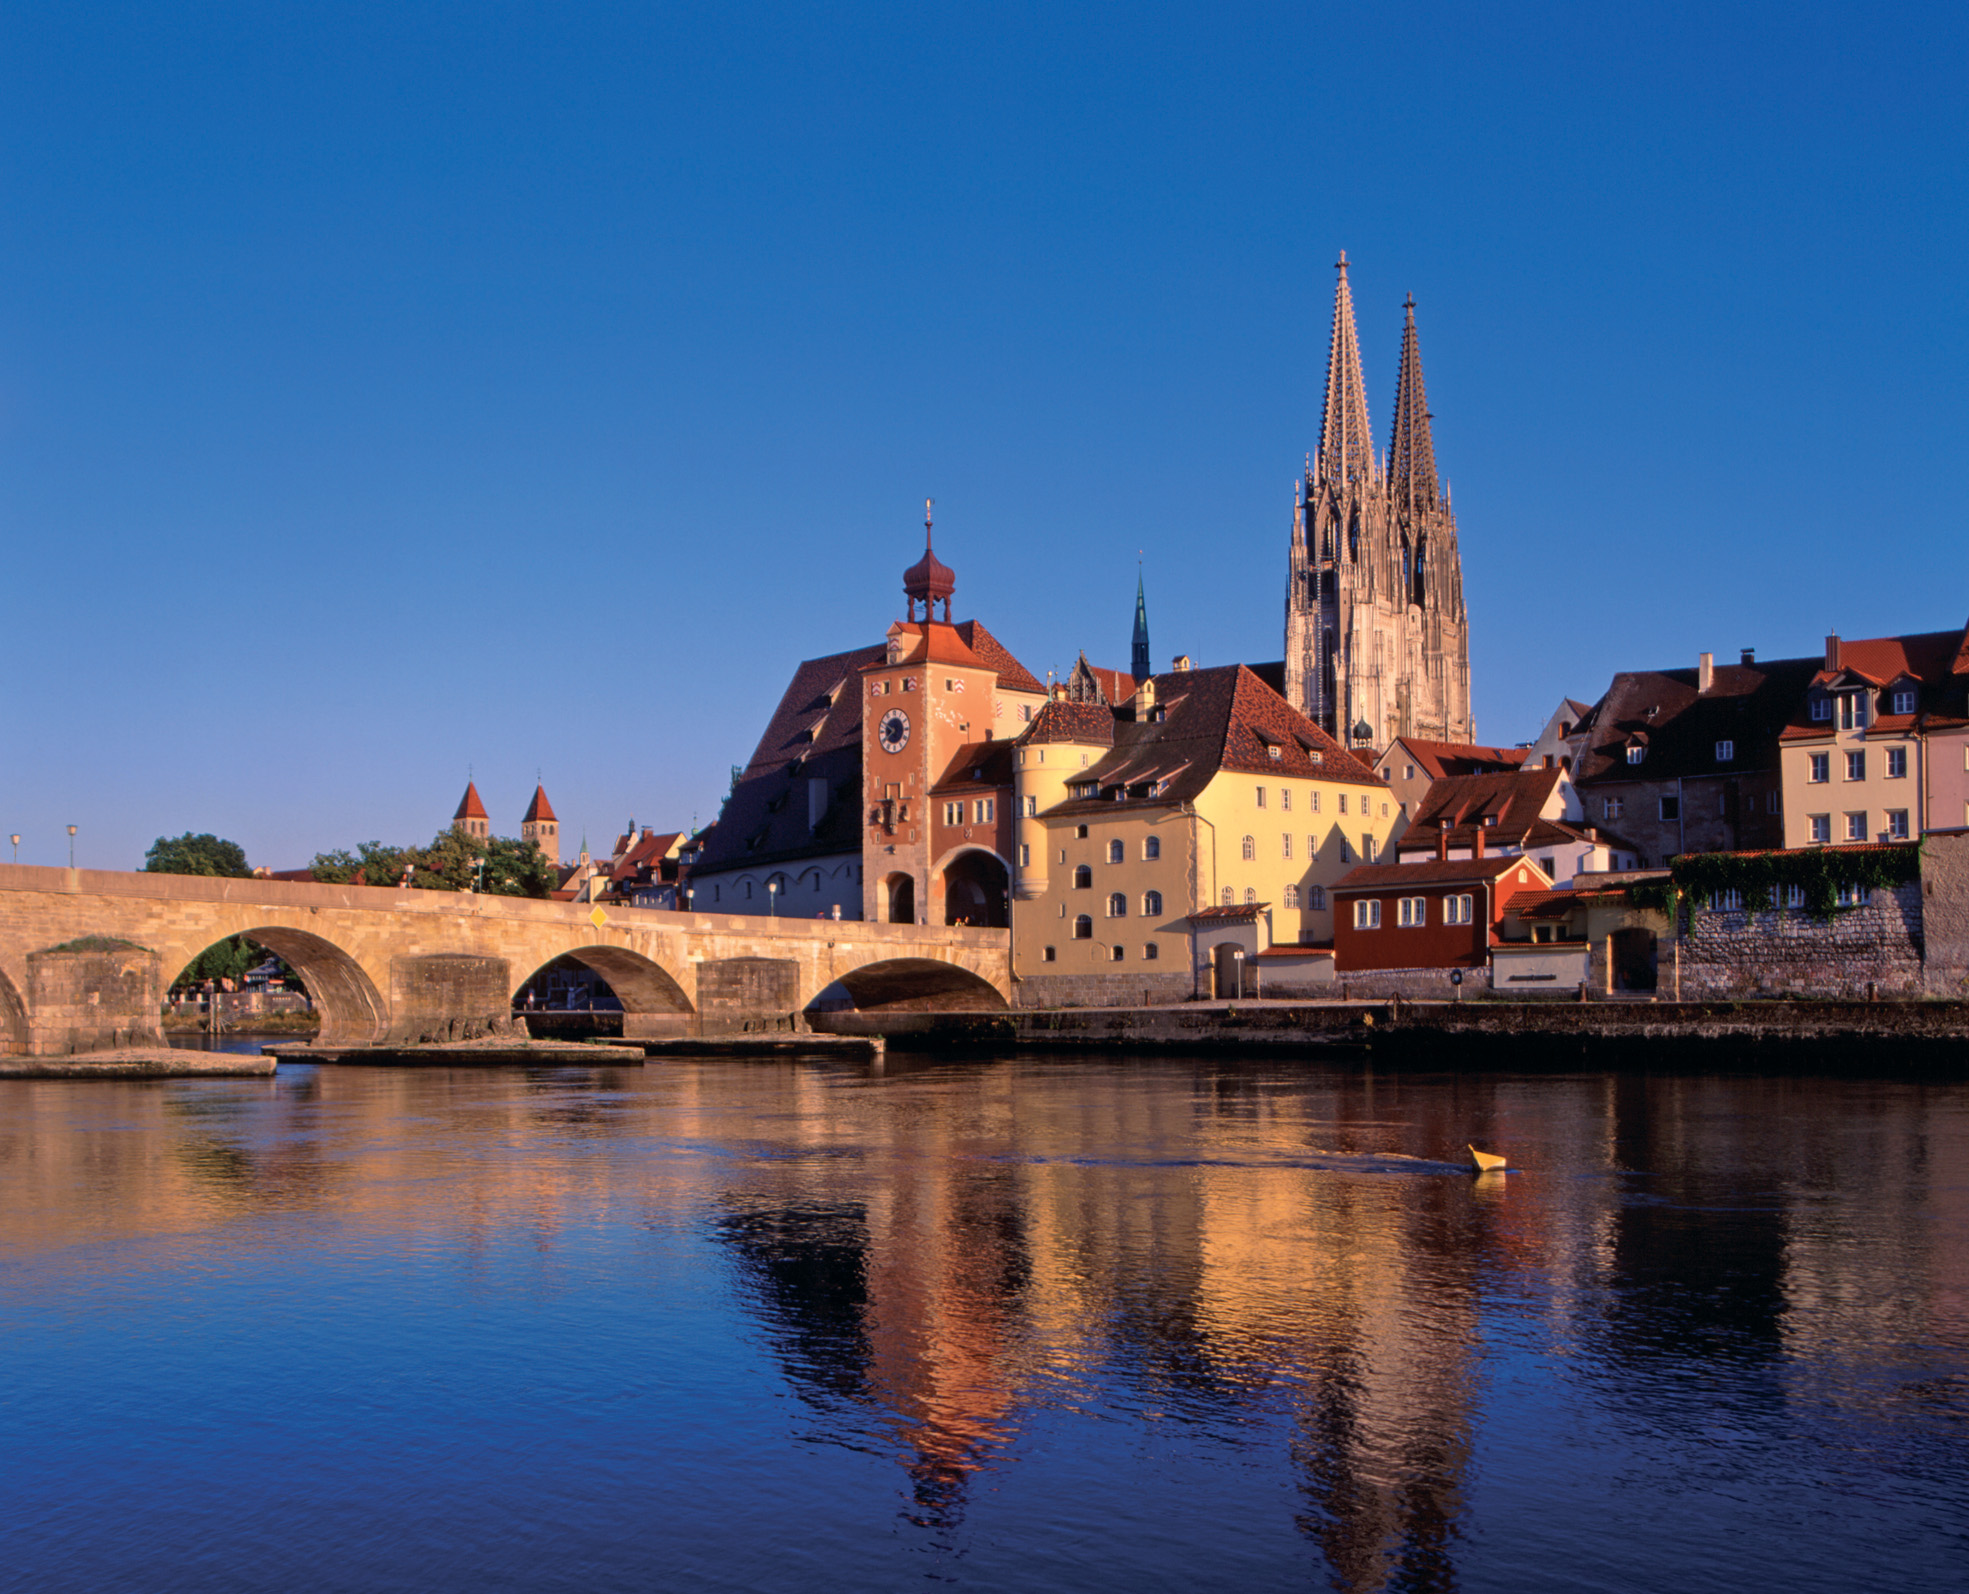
(1230, 897)
(1250, 849)
(1115, 852)
(1149, 952)
(1250, 897)
(1152, 847)
(1292, 896)
(1083, 928)
(1083, 878)
(1152, 904)
(1117, 906)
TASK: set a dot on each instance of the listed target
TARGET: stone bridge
(86, 956)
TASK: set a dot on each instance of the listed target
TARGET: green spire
(1138, 658)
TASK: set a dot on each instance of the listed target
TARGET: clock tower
(929, 699)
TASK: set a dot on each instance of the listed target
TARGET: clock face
(893, 732)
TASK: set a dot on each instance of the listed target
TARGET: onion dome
(929, 580)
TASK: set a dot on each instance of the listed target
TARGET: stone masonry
(1871, 950)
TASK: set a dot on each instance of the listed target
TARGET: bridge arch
(353, 1012)
(912, 984)
(641, 984)
(976, 887)
(13, 1018)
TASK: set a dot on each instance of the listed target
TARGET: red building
(1435, 915)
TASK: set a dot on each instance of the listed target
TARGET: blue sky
(387, 391)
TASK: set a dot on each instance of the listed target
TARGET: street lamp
(772, 897)
(1237, 962)
(71, 846)
(690, 898)
(17, 847)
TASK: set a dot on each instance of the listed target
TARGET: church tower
(1138, 651)
(541, 827)
(1376, 641)
(471, 817)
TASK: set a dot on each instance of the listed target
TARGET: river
(1034, 1323)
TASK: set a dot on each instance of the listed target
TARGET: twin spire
(1346, 451)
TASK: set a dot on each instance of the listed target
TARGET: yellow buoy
(1484, 1161)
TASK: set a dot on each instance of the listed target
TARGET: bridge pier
(93, 995)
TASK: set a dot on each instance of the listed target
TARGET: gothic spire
(1346, 444)
(1138, 655)
(1411, 452)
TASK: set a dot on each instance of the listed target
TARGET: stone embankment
(149, 1062)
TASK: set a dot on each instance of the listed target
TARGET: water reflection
(1256, 1296)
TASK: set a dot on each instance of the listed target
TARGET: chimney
(1477, 846)
(1442, 841)
(1832, 652)
(1705, 672)
(1749, 655)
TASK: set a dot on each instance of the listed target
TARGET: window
(1367, 849)
(909, 683)
(1346, 852)
(1903, 701)
(1820, 770)
(1770, 802)
(1546, 864)
(1285, 841)
(1792, 897)
(1149, 952)
(953, 813)
(1457, 909)
(1343, 802)
(1852, 711)
(1312, 848)
(1151, 904)
(879, 689)
(1384, 809)
(1083, 928)
(1285, 798)
(1412, 913)
(1728, 900)
(1117, 952)
(1272, 752)
(1313, 798)
(1611, 807)
(1115, 852)
(1249, 848)
(1152, 847)
(984, 810)
(1725, 751)
(1367, 913)
(1852, 896)
(1821, 708)
(1083, 878)
(1230, 897)
(951, 684)
(1856, 766)
(1636, 752)
(1821, 828)
(1897, 824)
(1025, 713)
(1025, 856)
(1032, 807)
(1408, 772)
(1063, 855)
(1897, 763)
(1856, 826)
(1079, 832)
(1292, 896)
(1250, 897)
(1316, 897)
(1671, 808)
(1052, 954)
(1117, 905)
(1261, 796)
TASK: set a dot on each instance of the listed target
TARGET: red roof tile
(1455, 871)
(539, 808)
(469, 806)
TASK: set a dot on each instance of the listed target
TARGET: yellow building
(1853, 759)
(1202, 814)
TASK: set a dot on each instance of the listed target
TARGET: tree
(371, 864)
(453, 861)
(189, 854)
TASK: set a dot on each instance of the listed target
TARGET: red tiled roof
(990, 652)
(1085, 724)
(1242, 910)
(1440, 760)
(539, 808)
(977, 764)
(1455, 871)
(469, 806)
(1115, 686)
(1929, 659)
(937, 643)
(1746, 705)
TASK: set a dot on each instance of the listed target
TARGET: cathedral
(1377, 644)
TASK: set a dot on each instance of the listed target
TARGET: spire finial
(929, 504)
(1342, 262)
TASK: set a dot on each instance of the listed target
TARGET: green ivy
(1761, 876)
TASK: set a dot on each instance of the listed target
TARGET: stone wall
(449, 997)
(1419, 985)
(1945, 912)
(1874, 949)
(1139, 989)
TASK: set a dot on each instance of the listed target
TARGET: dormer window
(1274, 752)
(1904, 700)
(1853, 714)
(1636, 751)
(1821, 708)
(1725, 751)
